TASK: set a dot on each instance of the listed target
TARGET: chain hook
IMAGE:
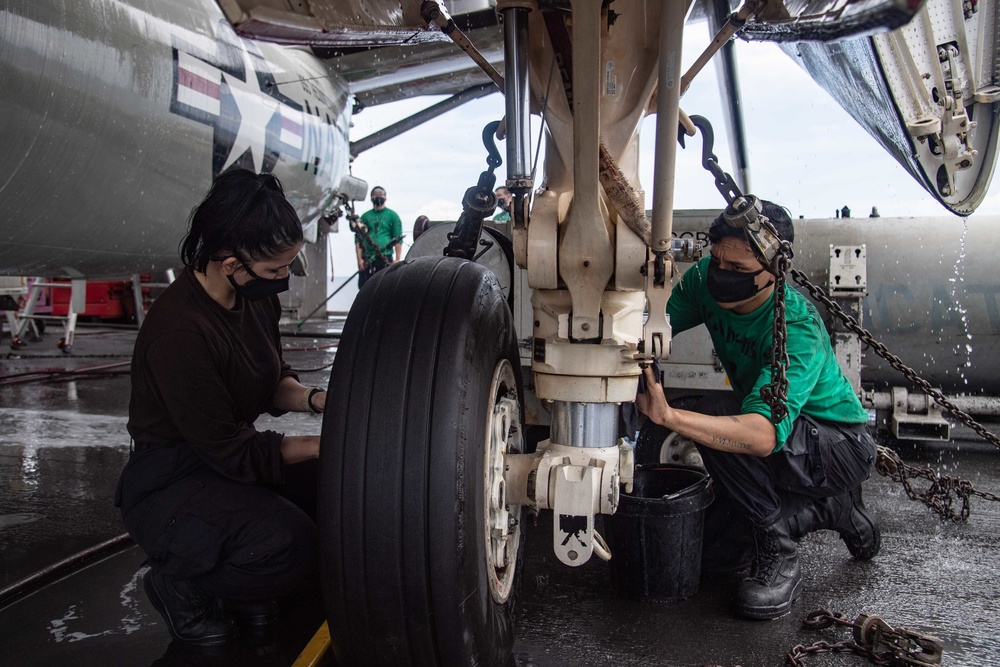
(493, 159)
(723, 181)
(479, 201)
(775, 255)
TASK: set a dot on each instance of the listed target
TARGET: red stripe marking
(191, 80)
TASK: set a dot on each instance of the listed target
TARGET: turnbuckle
(479, 201)
(907, 647)
(898, 646)
(742, 211)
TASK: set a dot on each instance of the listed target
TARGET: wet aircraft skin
(935, 577)
(125, 111)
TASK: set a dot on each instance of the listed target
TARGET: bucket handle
(694, 488)
(601, 547)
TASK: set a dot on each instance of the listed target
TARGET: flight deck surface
(63, 443)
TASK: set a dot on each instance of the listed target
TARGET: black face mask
(727, 286)
(378, 201)
(258, 288)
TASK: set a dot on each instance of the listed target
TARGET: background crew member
(204, 493)
(504, 198)
(376, 251)
(806, 473)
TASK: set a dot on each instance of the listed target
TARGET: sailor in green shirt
(783, 481)
(504, 198)
(385, 233)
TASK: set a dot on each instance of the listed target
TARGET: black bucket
(656, 534)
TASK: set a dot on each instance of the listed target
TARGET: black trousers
(234, 541)
(819, 459)
(370, 270)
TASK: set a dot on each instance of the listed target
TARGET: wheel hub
(502, 521)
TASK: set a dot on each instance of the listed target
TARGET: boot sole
(861, 553)
(214, 641)
(858, 551)
(772, 612)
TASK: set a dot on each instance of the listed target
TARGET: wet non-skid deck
(62, 445)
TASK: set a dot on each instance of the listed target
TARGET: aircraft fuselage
(118, 113)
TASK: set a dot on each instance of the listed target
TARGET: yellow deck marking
(315, 649)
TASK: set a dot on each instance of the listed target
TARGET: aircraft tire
(649, 443)
(655, 444)
(427, 353)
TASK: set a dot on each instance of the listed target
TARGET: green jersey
(816, 385)
(383, 227)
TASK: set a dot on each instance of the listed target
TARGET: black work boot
(192, 616)
(256, 618)
(775, 580)
(845, 514)
(727, 543)
(727, 537)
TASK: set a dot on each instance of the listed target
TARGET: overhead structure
(928, 92)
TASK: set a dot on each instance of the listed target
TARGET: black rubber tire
(652, 436)
(649, 443)
(402, 535)
(435, 242)
(507, 248)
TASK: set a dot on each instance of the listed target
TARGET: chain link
(820, 620)
(873, 639)
(775, 393)
(795, 657)
(938, 497)
(881, 350)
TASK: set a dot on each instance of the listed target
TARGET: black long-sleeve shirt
(202, 374)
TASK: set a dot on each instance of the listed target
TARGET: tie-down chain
(479, 201)
(874, 639)
(775, 255)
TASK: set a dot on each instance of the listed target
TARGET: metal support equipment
(848, 286)
(584, 424)
(430, 113)
(922, 423)
(668, 96)
(584, 249)
(27, 316)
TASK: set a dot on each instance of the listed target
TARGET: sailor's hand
(650, 400)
